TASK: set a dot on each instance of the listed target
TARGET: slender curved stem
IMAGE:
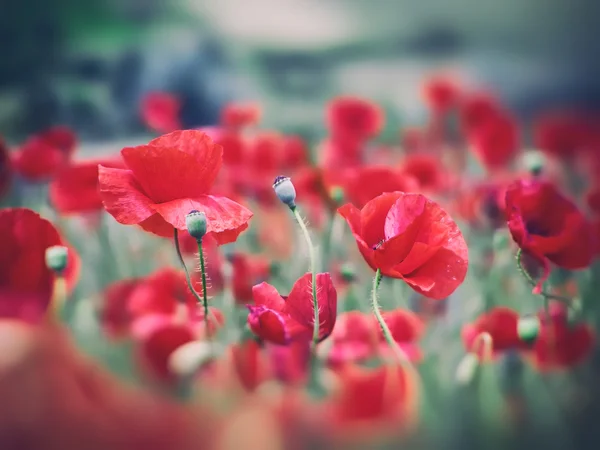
(187, 274)
(59, 297)
(313, 270)
(547, 296)
(204, 293)
(398, 352)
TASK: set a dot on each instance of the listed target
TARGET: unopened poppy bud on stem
(528, 328)
(285, 191)
(337, 194)
(56, 258)
(195, 222)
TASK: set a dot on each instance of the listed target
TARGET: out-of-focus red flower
(160, 293)
(367, 182)
(406, 328)
(596, 234)
(501, 324)
(337, 153)
(441, 94)
(167, 179)
(561, 345)
(426, 169)
(240, 115)
(353, 118)
(409, 237)
(43, 155)
(75, 188)
(290, 363)
(26, 284)
(160, 112)
(247, 271)
(413, 140)
(563, 133)
(372, 402)
(250, 364)
(593, 199)
(483, 204)
(160, 344)
(548, 226)
(476, 109)
(295, 152)
(353, 339)
(75, 404)
(495, 141)
(282, 320)
(233, 143)
(6, 169)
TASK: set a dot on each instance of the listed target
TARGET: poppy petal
(122, 196)
(207, 154)
(266, 295)
(268, 325)
(225, 218)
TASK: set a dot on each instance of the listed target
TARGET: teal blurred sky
(87, 64)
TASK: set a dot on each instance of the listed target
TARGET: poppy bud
(284, 188)
(195, 222)
(337, 194)
(534, 162)
(56, 258)
(466, 369)
(528, 328)
(348, 273)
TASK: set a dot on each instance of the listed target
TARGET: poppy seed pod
(195, 222)
(534, 162)
(528, 328)
(285, 191)
(56, 258)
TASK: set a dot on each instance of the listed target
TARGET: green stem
(547, 296)
(204, 293)
(387, 334)
(313, 270)
(187, 274)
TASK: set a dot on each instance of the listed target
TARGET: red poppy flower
(476, 109)
(160, 293)
(548, 226)
(353, 339)
(495, 141)
(409, 237)
(235, 147)
(483, 204)
(77, 404)
(372, 402)
(295, 152)
(167, 179)
(561, 345)
(406, 328)
(367, 182)
(43, 155)
(5, 168)
(281, 320)
(337, 153)
(247, 271)
(426, 169)
(250, 364)
(75, 188)
(26, 283)
(160, 112)
(239, 115)
(501, 324)
(441, 94)
(563, 133)
(353, 118)
(413, 140)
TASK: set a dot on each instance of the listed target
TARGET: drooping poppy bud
(528, 328)
(56, 258)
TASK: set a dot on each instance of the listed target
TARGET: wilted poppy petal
(122, 196)
(225, 218)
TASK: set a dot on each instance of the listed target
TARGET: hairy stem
(204, 293)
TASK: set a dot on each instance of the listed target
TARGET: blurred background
(87, 64)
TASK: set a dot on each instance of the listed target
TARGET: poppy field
(238, 287)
